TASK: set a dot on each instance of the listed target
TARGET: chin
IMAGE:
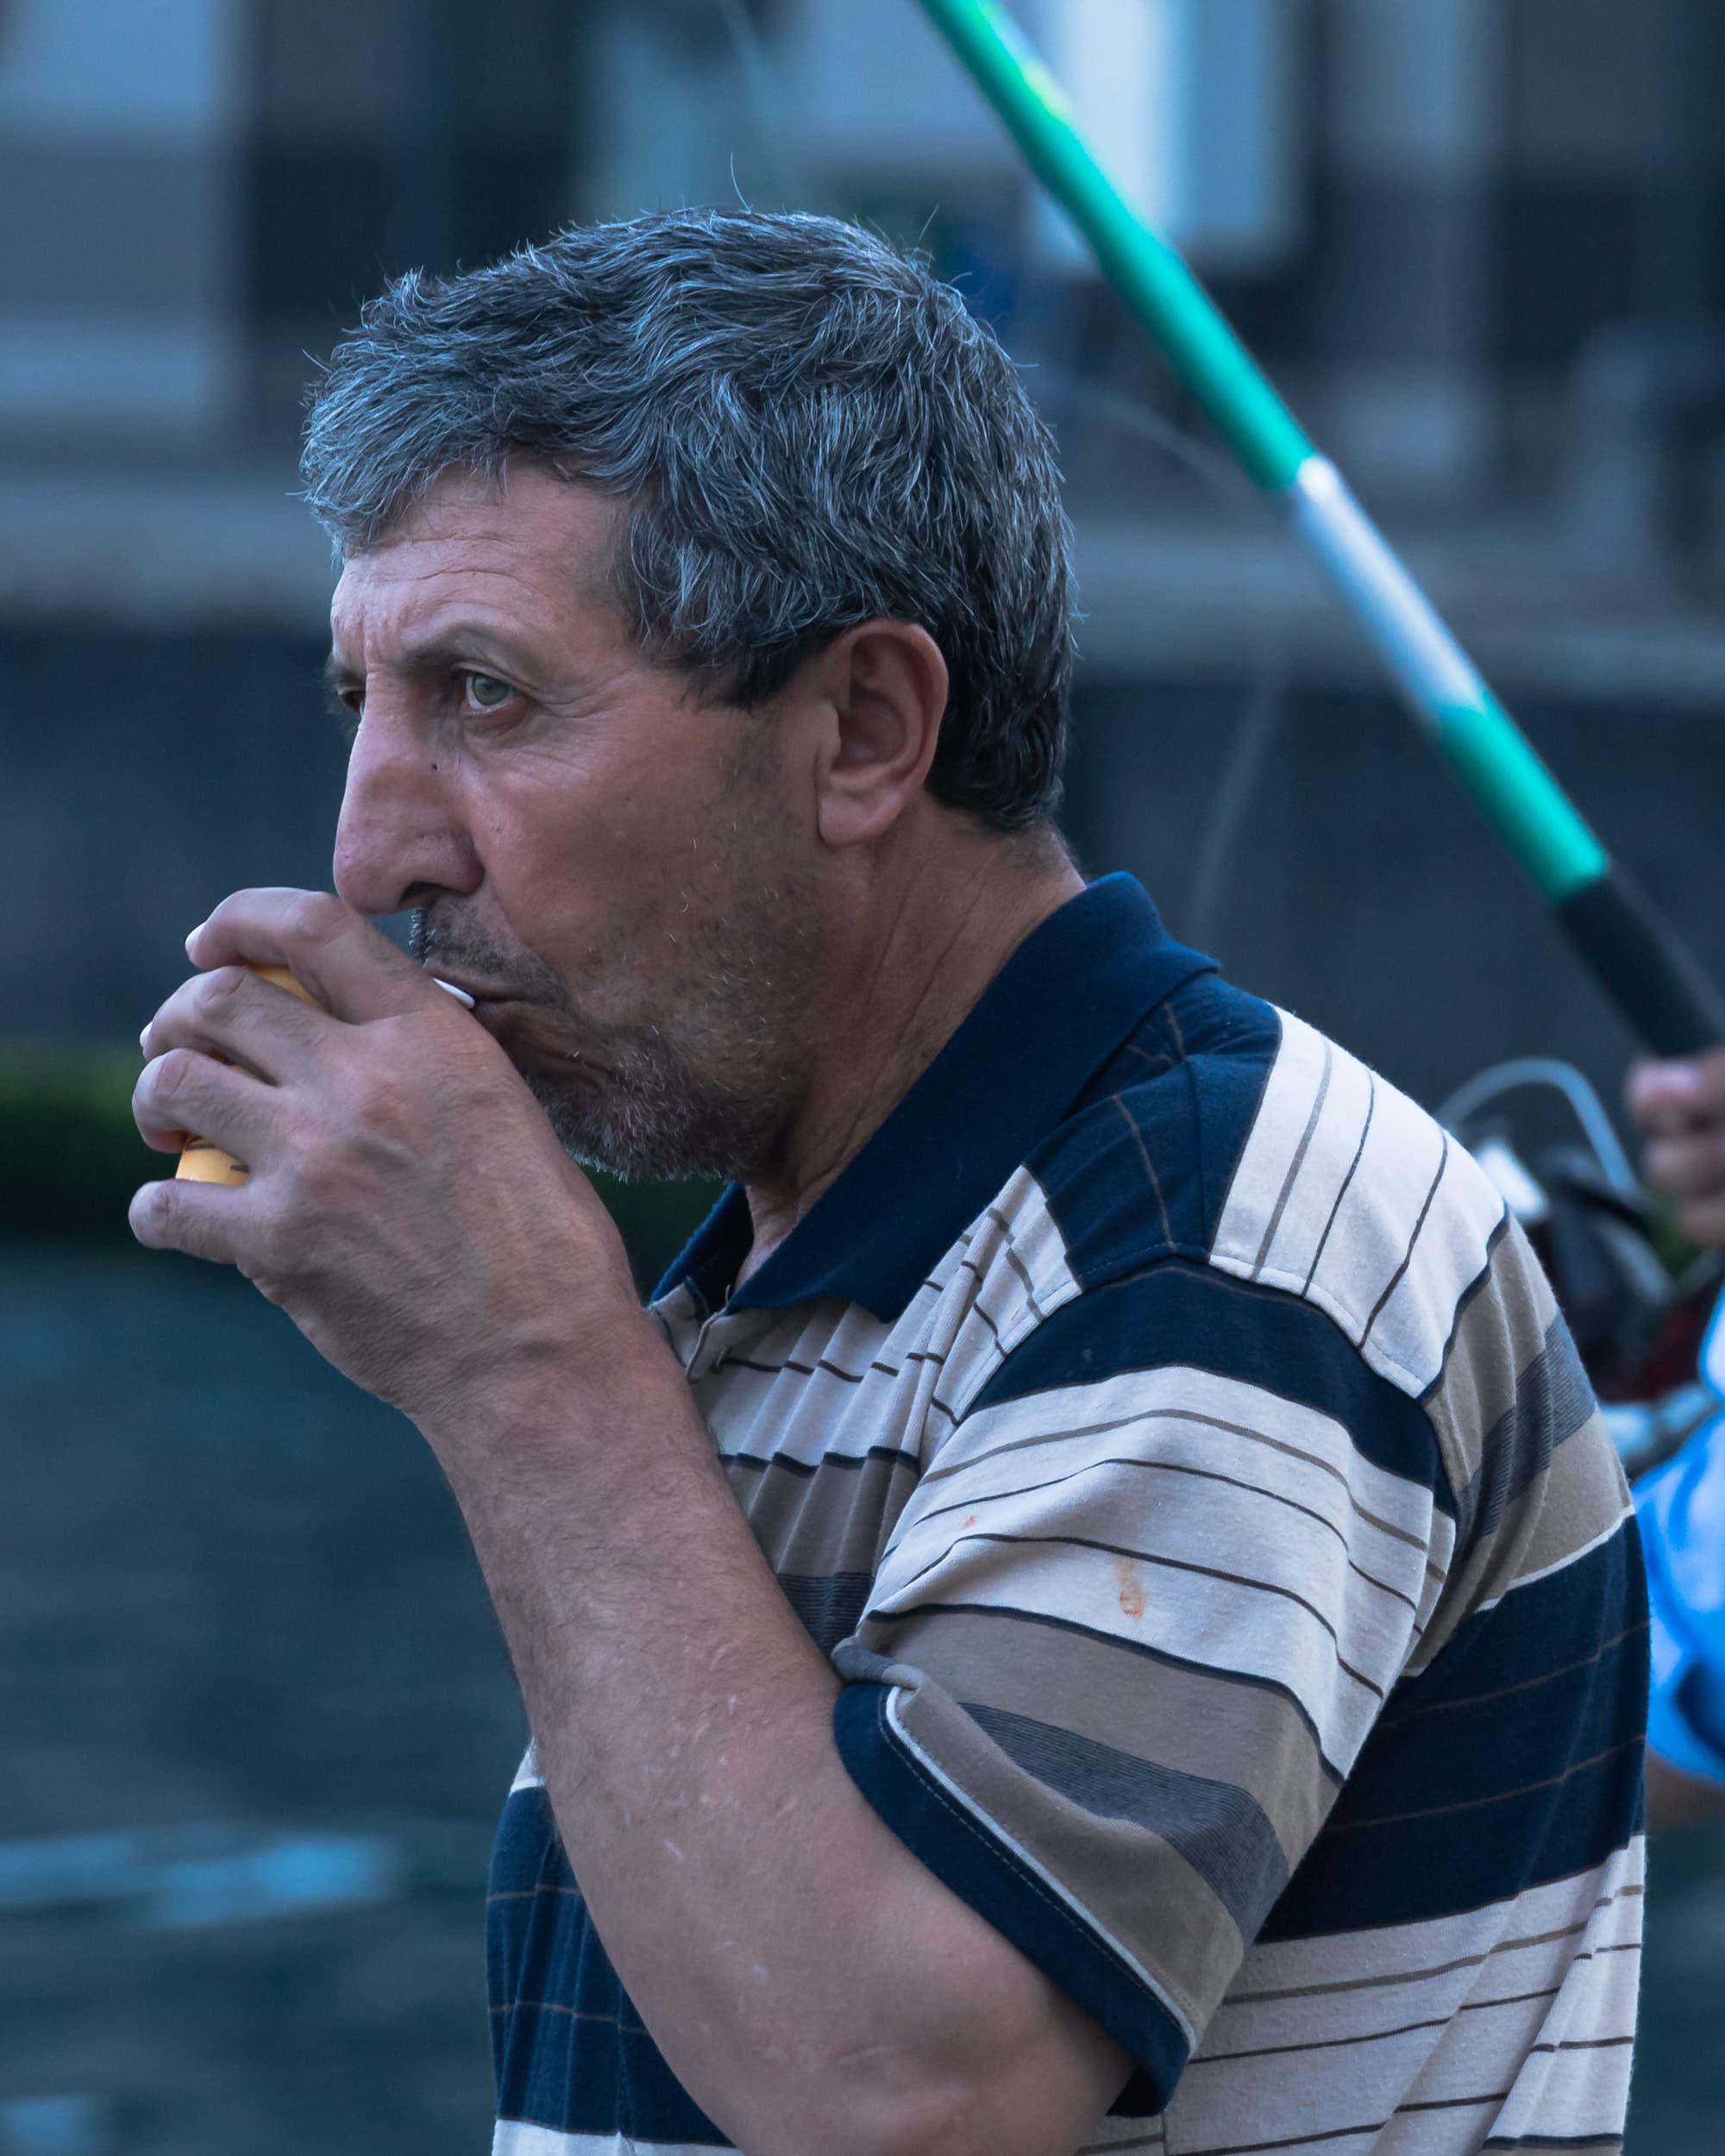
(602, 1127)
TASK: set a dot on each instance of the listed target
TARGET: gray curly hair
(810, 431)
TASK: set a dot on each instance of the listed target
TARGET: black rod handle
(1644, 965)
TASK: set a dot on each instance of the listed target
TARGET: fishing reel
(1636, 1299)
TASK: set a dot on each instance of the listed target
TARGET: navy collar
(1063, 1002)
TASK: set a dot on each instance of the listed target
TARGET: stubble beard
(708, 1087)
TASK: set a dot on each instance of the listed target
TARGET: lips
(480, 991)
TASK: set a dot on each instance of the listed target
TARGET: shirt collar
(1063, 1002)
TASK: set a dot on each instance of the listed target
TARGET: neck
(915, 957)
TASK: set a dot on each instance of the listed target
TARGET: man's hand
(1679, 1108)
(409, 1205)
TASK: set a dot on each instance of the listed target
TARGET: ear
(884, 683)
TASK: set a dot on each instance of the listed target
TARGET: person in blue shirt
(1679, 1108)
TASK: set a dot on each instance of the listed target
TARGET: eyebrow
(471, 645)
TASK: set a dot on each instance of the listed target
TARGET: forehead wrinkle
(392, 596)
(406, 619)
(552, 659)
(435, 575)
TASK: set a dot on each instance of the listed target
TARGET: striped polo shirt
(1175, 1445)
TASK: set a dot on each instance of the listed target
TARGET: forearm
(808, 1981)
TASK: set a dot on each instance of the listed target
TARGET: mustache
(459, 948)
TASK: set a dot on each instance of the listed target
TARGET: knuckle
(153, 1212)
(217, 991)
(304, 1186)
(281, 1243)
(317, 915)
(170, 1074)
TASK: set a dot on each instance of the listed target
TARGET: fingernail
(459, 994)
(143, 1037)
(196, 933)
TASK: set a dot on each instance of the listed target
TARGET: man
(1680, 1108)
(1094, 1609)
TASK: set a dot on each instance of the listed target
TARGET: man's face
(624, 879)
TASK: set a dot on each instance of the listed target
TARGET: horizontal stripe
(1500, 1322)
(1217, 1829)
(1006, 1619)
(1068, 1438)
(1242, 1996)
(1146, 1898)
(976, 1862)
(1151, 1555)
(1611, 1526)
(1457, 2044)
(1285, 1447)
(1579, 1504)
(751, 1366)
(519, 2137)
(1554, 1401)
(1143, 1708)
(1544, 1927)
(1180, 1314)
(1431, 1860)
(1515, 1758)
(1355, 2132)
(576, 2070)
(1356, 2037)
(1242, 1628)
(1320, 2035)
(829, 1606)
(1205, 1491)
(1553, 2140)
(1213, 1575)
(571, 2053)
(1514, 2046)
(1494, 1697)
(814, 1522)
(1127, 1464)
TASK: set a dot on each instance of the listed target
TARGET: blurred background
(256, 1719)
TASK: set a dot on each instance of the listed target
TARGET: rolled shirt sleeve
(1133, 1629)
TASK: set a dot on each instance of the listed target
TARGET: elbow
(880, 2101)
(930, 2115)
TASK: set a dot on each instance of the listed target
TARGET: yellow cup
(203, 1162)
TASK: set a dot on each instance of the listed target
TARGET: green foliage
(71, 1157)
(69, 1154)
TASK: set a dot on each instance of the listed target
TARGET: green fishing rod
(1637, 956)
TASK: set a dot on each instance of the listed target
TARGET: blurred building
(1475, 240)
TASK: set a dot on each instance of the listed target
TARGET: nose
(400, 840)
